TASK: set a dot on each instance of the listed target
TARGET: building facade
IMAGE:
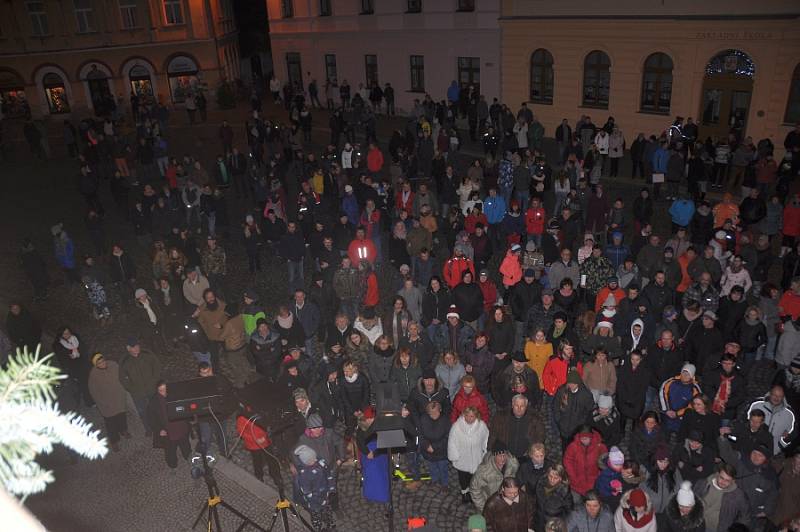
(418, 46)
(728, 65)
(67, 57)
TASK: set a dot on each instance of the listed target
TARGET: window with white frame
(38, 15)
(173, 11)
(84, 16)
(127, 12)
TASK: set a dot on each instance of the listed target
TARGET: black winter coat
(738, 393)
(707, 424)
(643, 444)
(468, 298)
(632, 389)
(673, 521)
(122, 268)
(435, 306)
(355, 395)
(523, 297)
(434, 432)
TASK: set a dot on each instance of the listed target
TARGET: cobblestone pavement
(133, 490)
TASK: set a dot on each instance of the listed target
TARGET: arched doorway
(727, 88)
(97, 81)
(183, 77)
(13, 102)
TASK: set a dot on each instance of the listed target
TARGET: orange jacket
(723, 211)
(686, 279)
(511, 269)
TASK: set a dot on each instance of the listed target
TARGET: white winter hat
(685, 494)
(689, 368)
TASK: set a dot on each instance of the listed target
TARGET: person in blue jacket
(681, 211)
(494, 207)
(660, 160)
(676, 397)
(616, 252)
(64, 250)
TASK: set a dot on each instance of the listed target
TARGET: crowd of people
(577, 365)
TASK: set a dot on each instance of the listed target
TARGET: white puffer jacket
(467, 443)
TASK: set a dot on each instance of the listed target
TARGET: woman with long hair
(449, 371)
(500, 330)
(646, 437)
(405, 372)
(553, 496)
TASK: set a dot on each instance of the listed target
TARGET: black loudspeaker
(194, 397)
(387, 398)
(388, 420)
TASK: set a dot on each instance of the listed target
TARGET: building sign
(733, 35)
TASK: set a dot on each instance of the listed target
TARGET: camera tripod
(210, 507)
(283, 505)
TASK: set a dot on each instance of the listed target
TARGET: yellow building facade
(72, 57)
(725, 66)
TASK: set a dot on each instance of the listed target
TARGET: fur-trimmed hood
(693, 521)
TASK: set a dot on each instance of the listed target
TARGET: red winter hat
(369, 412)
(637, 498)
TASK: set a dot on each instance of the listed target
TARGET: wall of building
(773, 45)
(207, 38)
(439, 33)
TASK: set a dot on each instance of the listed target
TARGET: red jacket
(534, 220)
(367, 246)
(581, 462)
(375, 160)
(555, 374)
(372, 296)
(619, 295)
(462, 401)
(791, 220)
(489, 290)
(790, 304)
(408, 206)
(454, 268)
(472, 220)
(254, 437)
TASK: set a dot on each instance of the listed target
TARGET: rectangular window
(325, 9)
(417, 73)
(287, 8)
(38, 15)
(173, 12)
(466, 5)
(367, 7)
(469, 73)
(371, 70)
(127, 11)
(330, 67)
(84, 16)
(414, 6)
